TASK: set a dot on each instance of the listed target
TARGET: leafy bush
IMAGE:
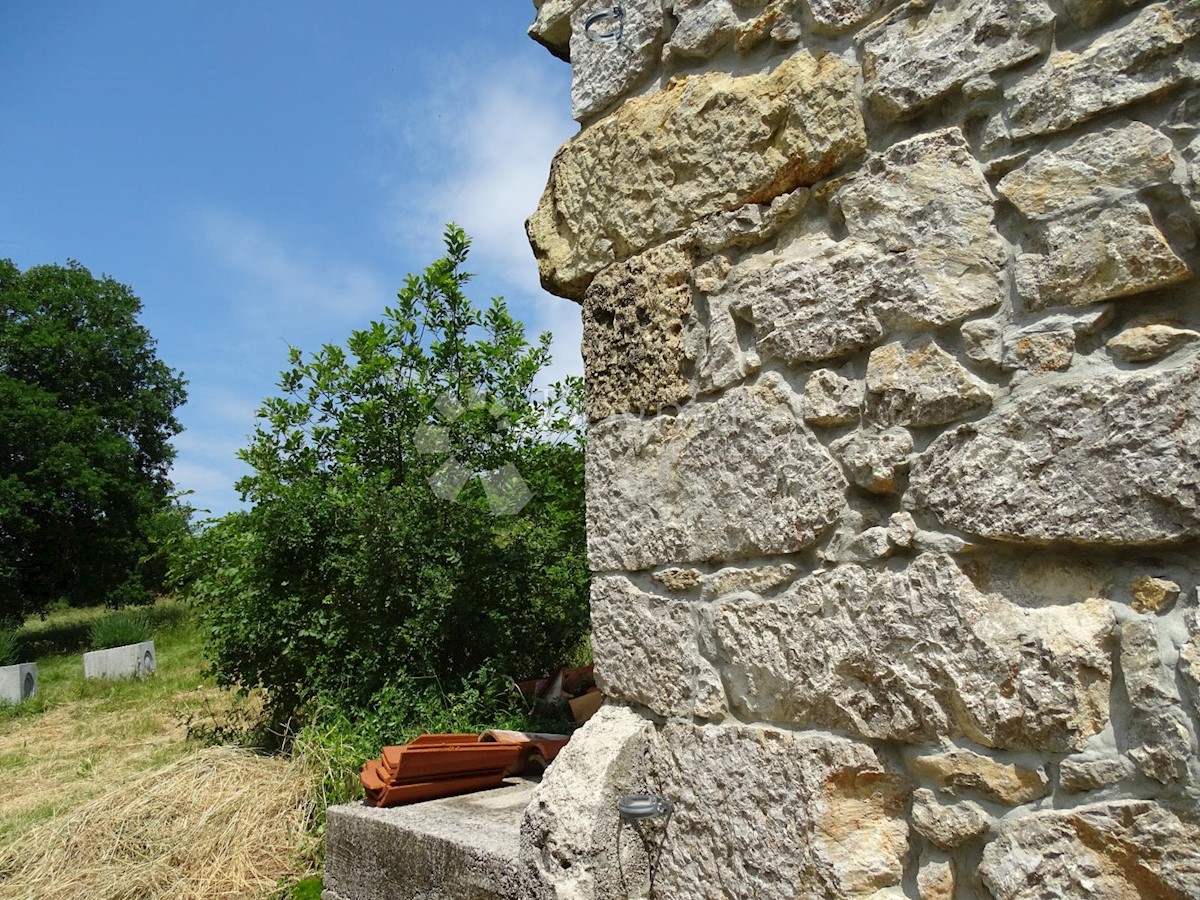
(356, 583)
(9, 645)
(120, 628)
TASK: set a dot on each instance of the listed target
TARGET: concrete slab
(132, 660)
(18, 683)
(456, 848)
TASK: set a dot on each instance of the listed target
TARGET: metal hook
(617, 14)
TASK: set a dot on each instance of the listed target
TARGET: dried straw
(218, 823)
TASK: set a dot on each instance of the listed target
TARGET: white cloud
(274, 278)
(478, 152)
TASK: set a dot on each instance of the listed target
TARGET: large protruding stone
(1127, 850)
(572, 838)
(924, 50)
(917, 655)
(742, 476)
(1107, 460)
(1142, 59)
(552, 27)
(707, 143)
(920, 385)
(778, 815)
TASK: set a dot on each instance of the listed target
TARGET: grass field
(83, 753)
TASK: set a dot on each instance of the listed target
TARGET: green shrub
(9, 646)
(351, 584)
(120, 628)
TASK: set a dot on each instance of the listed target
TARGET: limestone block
(1103, 165)
(704, 27)
(552, 28)
(760, 580)
(948, 826)
(678, 580)
(572, 837)
(1192, 155)
(1143, 58)
(1097, 254)
(920, 385)
(983, 341)
(1015, 476)
(841, 15)
(1153, 595)
(917, 655)
(1040, 348)
(1126, 850)
(633, 317)
(779, 20)
(604, 71)
(1090, 12)
(1077, 776)
(740, 477)
(1189, 660)
(645, 647)
(847, 546)
(875, 461)
(923, 51)
(964, 771)
(902, 529)
(766, 813)
(1160, 737)
(936, 877)
(928, 197)
(831, 400)
(1146, 343)
(706, 144)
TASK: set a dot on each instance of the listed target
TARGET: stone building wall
(893, 360)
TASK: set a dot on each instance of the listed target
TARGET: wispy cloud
(478, 151)
(274, 277)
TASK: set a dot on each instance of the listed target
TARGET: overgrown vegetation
(376, 587)
(9, 645)
(119, 629)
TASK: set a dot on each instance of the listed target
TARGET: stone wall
(893, 363)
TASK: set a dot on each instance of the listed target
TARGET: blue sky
(264, 174)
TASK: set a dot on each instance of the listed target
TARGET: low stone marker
(18, 683)
(129, 661)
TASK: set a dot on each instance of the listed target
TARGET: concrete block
(456, 848)
(130, 661)
(18, 682)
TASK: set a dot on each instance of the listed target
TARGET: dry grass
(217, 823)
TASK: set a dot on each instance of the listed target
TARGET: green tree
(87, 411)
(370, 572)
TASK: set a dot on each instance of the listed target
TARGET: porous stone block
(740, 477)
(456, 848)
(708, 143)
(917, 655)
(920, 385)
(130, 661)
(1015, 475)
(1125, 850)
(18, 683)
(958, 771)
(1162, 744)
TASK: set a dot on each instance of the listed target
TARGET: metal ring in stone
(617, 14)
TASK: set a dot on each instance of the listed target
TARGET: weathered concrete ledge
(457, 848)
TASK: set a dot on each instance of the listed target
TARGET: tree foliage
(354, 578)
(87, 411)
